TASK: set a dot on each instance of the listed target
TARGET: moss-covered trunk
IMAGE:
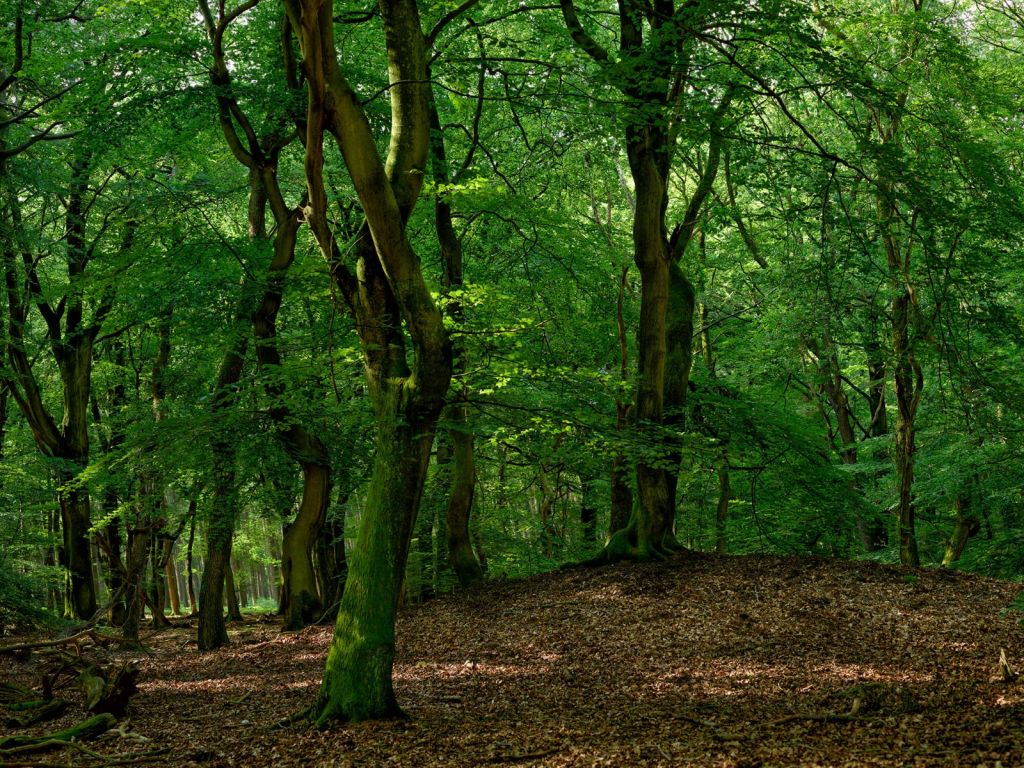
(357, 681)
(405, 346)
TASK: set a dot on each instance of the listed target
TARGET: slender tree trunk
(621, 493)
(463, 475)
(173, 600)
(135, 568)
(300, 602)
(115, 564)
(212, 632)
(722, 509)
(189, 562)
(230, 593)
(333, 562)
(909, 383)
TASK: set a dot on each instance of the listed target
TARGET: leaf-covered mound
(701, 661)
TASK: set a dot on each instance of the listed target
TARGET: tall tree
(393, 309)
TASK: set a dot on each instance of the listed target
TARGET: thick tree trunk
(76, 552)
(357, 683)
(392, 306)
(212, 631)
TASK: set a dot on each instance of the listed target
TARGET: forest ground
(701, 661)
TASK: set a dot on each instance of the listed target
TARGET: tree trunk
(722, 509)
(115, 564)
(967, 525)
(212, 632)
(357, 683)
(76, 554)
(621, 493)
(300, 602)
(189, 562)
(332, 558)
(393, 309)
(135, 567)
(230, 593)
(169, 578)
(908, 381)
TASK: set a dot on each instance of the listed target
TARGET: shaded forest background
(192, 393)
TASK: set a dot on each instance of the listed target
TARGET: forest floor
(701, 661)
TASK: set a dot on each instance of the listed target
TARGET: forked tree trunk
(653, 94)
(392, 307)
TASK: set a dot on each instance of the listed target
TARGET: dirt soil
(702, 661)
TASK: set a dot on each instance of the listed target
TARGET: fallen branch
(37, 712)
(87, 729)
(73, 640)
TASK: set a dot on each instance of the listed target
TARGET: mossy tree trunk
(393, 309)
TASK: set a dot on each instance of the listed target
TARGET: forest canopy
(321, 308)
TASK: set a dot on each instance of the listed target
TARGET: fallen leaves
(701, 661)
